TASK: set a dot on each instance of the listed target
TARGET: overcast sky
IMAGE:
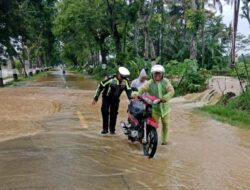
(243, 25)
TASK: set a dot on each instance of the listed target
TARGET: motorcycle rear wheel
(150, 147)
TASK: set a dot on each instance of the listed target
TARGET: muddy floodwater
(50, 139)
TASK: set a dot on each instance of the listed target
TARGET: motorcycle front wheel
(150, 147)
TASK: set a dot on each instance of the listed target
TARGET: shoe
(104, 132)
(112, 132)
(164, 143)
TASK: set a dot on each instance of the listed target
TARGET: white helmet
(124, 71)
(157, 69)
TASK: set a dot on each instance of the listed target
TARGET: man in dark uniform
(112, 88)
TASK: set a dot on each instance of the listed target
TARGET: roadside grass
(22, 79)
(227, 115)
(235, 112)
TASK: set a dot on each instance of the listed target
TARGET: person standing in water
(141, 80)
(112, 89)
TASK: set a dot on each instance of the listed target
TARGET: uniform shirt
(113, 88)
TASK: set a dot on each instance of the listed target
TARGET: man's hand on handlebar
(163, 100)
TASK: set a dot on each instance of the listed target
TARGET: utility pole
(203, 34)
(1, 76)
(162, 30)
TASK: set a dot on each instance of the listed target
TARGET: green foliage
(221, 69)
(89, 27)
(246, 10)
(122, 29)
(174, 68)
(241, 69)
(18, 66)
(188, 77)
(136, 65)
(237, 111)
(195, 18)
(100, 73)
(30, 22)
(228, 115)
(242, 102)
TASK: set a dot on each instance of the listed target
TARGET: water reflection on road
(50, 139)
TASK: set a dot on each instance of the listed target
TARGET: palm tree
(215, 2)
(234, 31)
(236, 4)
(193, 48)
(246, 10)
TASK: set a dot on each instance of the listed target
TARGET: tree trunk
(125, 37)
(74, 60)
(161, 40)
(118, 47)
(103, 48)
(104, 54)
(15, 77)
(234, 32)
(193, 48)
(30, 63)
(23, 66)
(116, 35)
(1, 76)
(45, 60)
(193, 45)
(152, 48)
(136, 39)
(149, 46)
(145, 46)
(203, 35)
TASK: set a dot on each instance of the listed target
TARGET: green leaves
(187, 76)
(195, 18)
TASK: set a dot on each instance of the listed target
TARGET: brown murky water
(50, 139)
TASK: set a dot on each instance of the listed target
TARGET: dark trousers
(109, 113)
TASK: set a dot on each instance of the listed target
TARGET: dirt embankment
(217, 87)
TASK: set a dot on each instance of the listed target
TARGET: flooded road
(50, 139)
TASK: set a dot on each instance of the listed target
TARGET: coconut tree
(246, 10)
(234, 31)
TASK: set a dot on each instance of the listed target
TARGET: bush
(242, 102)
(241, 70)
(18, 66)
(236, 111)
(187, 76)
(134, 67)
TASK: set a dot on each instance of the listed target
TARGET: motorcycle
(141, 126)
